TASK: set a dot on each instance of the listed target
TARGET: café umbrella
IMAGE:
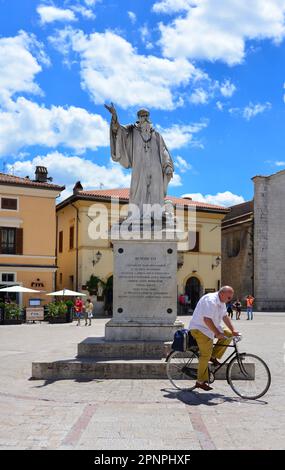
(19, 289)
(66, 293)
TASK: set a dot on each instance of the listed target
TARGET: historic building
(79, 255)
(253, 244)
(237, 249)
(28, 233)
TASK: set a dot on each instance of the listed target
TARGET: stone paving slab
(138, 414)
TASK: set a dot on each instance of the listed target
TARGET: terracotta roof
(239, 210)
(123, 194)
(18, 181)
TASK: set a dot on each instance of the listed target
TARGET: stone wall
(269, 241)
(237, 259)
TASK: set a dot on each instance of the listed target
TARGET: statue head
(143, 115)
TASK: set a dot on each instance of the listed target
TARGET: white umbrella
(19, 289)
(66, 293)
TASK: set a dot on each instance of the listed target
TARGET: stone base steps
(101, 349)
(90, 368)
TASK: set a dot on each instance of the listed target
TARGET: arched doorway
(193, 289)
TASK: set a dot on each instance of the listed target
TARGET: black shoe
(204, 386)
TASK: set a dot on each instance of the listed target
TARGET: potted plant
(11, 313)
(93, 284)
(57, 312)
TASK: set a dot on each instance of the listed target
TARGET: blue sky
(211, 73)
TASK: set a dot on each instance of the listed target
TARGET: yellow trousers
(207, 351)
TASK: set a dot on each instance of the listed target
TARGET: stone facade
(253, 244)
(269, 241)
(237, 249)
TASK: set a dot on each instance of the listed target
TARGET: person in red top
(78, 309)
(249, 307)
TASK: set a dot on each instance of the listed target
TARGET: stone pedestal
(145, 291)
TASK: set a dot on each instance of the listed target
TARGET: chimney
(77, 187)
(41, 174)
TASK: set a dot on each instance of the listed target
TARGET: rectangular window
(60, 278)
(60, 242)
(71, 237)
(194, 241)
(8, 277)
(9, 203)
(8, 241)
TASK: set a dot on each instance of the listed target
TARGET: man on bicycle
(205, 325)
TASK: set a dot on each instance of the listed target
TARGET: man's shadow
(195, 398)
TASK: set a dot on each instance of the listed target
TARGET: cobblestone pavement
(133, 414)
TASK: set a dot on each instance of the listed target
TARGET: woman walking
(88, 312)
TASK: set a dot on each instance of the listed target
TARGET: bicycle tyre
(239, 386)
(175, 362)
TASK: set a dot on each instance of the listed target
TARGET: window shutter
(60, 242)
(0, 239)
(19, 241)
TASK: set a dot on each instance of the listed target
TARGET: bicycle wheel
(182, 369)
(248, 376)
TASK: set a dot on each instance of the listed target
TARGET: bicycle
(247, 374)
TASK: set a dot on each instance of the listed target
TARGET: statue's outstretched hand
(111, 109)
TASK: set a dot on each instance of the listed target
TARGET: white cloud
(171, 6)
(227, 89)
(49, 14)
(25, 123)
(180, 135)
(251, 110)
(175, 181)
(182, 164)
(19, 66)
(218, 29)
(226, 198)
(279, 163)
(85, 12)
(91, 3)
(66, 170)
(199, 96)
(132, 16)
(220, 105)
(111, 69)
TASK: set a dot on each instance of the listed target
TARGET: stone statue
(140, 147)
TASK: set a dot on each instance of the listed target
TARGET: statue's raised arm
(112, 110)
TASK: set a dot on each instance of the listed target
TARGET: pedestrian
(78, 306)
(229, 306)
(205, 325)
(237, 307)
(249, 307)
(88, 314)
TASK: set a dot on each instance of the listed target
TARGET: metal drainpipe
(77, 231)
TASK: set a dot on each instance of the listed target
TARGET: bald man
(205, 325)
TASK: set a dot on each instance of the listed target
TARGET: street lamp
(217, 262)
(96, 258)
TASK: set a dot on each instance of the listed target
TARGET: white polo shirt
(208, 306)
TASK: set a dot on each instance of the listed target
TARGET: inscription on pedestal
(145, 281)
